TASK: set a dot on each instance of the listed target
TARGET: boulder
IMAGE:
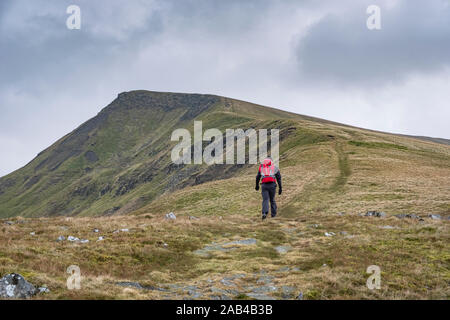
(16, 287)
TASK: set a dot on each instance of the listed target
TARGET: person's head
(267, 161)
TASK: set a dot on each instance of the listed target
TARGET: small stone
(409, 216)
(375, 214)
(171, 216)
(61, 238)
(84, 241)
(387, 227)
(96, 230)
(100, 239)
(300, 296)
(435, 216)
(32, 233)
(343, 233)
(124, 230)
(283, 249)
(249, 241)
(329, 234)
(9, 223)
(193, 218)
(44, 290)
(72, 239)
(287, 292)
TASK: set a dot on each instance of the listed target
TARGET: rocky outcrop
(14, 286)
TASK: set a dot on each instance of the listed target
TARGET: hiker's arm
(278, 177)
(258, 177)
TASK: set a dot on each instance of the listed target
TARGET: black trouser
(268, 194)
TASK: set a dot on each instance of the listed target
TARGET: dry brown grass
(414, 257)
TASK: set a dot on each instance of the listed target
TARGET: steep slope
(120, 159)
(119, 162)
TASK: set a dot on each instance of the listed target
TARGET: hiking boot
(264, 216)
(273, 215)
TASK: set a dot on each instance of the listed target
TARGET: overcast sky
(310, 57)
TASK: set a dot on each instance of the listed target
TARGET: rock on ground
(16, 287)
(409, 216)
(283, 249)
(375, 214)
(171, 216)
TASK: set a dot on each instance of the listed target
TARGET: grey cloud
(52, 79)
(415, 38)
(45, 44)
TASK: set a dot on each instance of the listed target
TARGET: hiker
(268, 172)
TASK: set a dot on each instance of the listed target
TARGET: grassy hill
(119, 162)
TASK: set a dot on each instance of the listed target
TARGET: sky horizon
(312, 58)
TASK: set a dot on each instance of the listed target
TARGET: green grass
(382, 145)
